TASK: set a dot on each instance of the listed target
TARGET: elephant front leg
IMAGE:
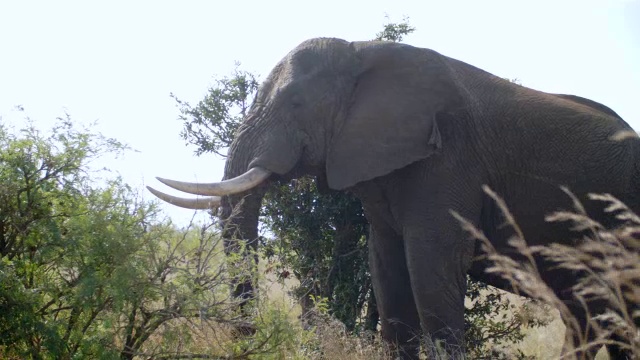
(439, 254)
(438, 280)
(400, 326)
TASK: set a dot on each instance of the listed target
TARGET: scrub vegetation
(91, 270)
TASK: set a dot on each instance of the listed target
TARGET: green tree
(212, 123)
(395, 31)
(88, 271)
(55, 276)
(321, 236)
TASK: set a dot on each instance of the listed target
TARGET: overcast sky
(117, 62)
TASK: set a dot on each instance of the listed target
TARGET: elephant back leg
(438, 262)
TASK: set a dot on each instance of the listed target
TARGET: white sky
(117, 62)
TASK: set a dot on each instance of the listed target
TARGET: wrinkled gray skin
(415, 134)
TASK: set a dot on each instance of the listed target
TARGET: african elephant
(415, 135)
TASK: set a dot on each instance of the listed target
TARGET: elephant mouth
(212, 191)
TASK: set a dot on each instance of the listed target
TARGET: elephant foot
(439, 349)
(405, 351)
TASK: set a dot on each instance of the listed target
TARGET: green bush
(86, 268)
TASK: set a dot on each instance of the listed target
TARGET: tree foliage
(212, 123)
(322, 237)
(395, 31)
(88, 271)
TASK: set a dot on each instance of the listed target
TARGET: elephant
(415, 135)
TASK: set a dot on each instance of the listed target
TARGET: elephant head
(345, 112)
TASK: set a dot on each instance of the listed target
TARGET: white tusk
(197, 203)
(244, 182)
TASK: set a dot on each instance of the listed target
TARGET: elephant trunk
(239, 214)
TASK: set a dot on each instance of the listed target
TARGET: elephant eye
(296, 102)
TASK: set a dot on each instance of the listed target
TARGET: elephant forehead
(278, 78)
(319, 56)
(288, 71)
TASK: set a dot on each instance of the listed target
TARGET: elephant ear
(391, 121)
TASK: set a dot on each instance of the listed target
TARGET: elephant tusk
(197, 203)
(244, 182)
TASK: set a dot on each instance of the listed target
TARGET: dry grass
(609, 258)
(327, 337)
(281, 334)
(544, 342)
(333, 342)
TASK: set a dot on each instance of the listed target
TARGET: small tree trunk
(372, 317)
